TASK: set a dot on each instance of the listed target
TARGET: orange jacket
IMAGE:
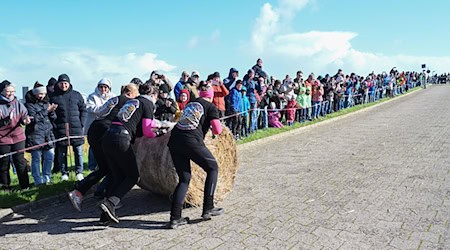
(220, 91)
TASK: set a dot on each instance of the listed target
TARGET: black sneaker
(212, 212)
(104, 220)
(173, 224)
(107, 207)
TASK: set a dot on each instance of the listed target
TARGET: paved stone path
(373, 180)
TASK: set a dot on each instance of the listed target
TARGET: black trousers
(19, 162)
(101, 171)
(221, 113)
(237, 123)
(122, 163)
(201, 155)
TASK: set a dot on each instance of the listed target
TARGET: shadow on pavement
(64, 218)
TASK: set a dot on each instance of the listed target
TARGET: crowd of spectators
(56, 116)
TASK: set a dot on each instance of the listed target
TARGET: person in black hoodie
(70, 118)
(40, 131)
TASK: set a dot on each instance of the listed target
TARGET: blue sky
(124, 39)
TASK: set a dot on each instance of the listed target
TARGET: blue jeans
(316, 108)
(254, 114)
(264, 118)
(92, 163)
(62, 159)
(36, 156)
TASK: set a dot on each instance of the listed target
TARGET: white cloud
(195, 41)
(84, 66)
(320, 51)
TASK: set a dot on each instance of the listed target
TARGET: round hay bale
(157, 172)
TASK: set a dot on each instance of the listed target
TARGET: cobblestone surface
(372, 180)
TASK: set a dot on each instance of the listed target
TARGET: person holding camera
(220, 92)
(166, 107)
(158, 79)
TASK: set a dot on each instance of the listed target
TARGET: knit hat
(4, 84)
(209, 93)
(164, 88)
(233, 70)
(105, 81)
(63, 78)
(51, 82)
(39, 89)
(136, 81)
(216, 74)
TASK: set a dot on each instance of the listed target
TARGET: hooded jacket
(40, 130)
(71, 111)
(93, 104)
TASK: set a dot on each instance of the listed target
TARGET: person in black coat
(70, 119)
(40, 131)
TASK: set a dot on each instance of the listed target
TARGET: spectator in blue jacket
(244, 112)
(235, 98)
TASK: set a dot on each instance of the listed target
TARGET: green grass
(14, 198)
(11, 199)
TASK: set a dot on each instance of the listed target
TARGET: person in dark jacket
(13, 114)
(70, 118)
(166, 107)
(40, 131)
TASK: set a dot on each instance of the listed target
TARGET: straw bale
(157, 172)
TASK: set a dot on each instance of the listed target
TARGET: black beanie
(51, 82)
(164, 88)
(136, 81)
(63, 78)
(4, 84)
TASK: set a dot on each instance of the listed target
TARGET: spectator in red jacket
(220, 91)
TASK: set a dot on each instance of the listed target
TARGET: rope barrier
(41, 145)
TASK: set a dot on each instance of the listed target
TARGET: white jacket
(93, 103)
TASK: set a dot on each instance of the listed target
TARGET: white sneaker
(64, 177)
(80, 177)
(76, 198)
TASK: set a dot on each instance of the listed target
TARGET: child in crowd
(291, 108)
(244, 110)
(274, 116)
(182, 101)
